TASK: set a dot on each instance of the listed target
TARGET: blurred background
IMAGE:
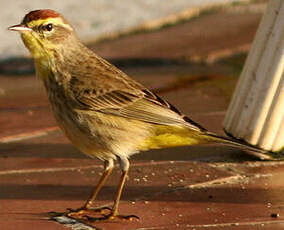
(98, 19)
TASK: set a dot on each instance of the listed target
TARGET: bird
(102, 111)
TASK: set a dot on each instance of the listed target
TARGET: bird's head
(44, 31)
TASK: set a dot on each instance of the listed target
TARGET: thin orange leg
(119, 192)
(124, 165)
(98, 188)
(87, 209)
(87, 212)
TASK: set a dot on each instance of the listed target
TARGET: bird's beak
(20, 28)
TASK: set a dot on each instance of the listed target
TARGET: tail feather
(253, 150)
(165, 136)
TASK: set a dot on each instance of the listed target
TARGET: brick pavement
(200, 187)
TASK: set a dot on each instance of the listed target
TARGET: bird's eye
(48, 27)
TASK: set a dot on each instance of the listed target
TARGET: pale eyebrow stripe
(55, 21)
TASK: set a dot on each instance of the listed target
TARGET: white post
(256, 112)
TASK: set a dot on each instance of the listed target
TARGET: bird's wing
(108, 90)
(139, 104)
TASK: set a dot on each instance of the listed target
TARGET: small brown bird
(102, 111)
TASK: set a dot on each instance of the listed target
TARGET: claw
(68, 210)
(129, 217)
(54, 214)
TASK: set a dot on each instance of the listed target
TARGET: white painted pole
(256, 112)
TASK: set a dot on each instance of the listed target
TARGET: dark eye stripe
(36, 28)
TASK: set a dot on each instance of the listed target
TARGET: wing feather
(141, 105)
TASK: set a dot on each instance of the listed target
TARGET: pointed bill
(20, 28)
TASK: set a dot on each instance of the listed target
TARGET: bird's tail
(251, 149)
(172, 136)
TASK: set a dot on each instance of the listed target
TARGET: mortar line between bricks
(227, 179)
(199, 185)
(28, 135)
(231, 224)
(251, 223)
(218, 181)
(19, 171)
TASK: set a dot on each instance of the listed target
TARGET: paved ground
(200, 187)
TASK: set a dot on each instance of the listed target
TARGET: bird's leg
(107, 171)
(124, 165)
(119, 192)
(87, 209)
(114, 212)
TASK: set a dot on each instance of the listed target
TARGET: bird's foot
(94, 215)
(112, 217)
(85, 213)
